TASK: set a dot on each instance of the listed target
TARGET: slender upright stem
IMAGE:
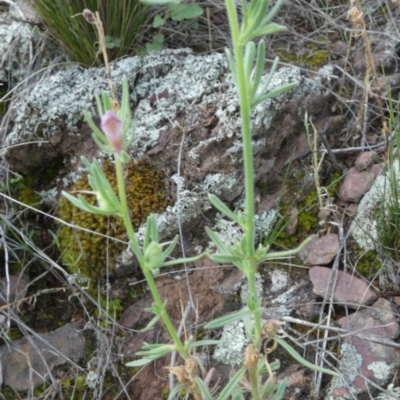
(146, 271)
(254, 375)
(245, 111)
(254, 301)
(250, 265)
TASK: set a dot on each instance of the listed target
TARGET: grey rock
(22, 49)
(323, 250)
(17, 288)
(27, 363)
(364, 160)
(171, 92)
(298, 300)
(349, 289)
(363, 359)
(357, 183)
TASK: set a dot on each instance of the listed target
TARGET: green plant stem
(253, 376)
(251, 270)
(146, 271)
(245, 111)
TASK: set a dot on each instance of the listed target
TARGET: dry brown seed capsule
(251, 356)
(89, 16)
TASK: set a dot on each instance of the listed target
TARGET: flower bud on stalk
(113, 129)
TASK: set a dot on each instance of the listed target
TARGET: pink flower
(112, 128)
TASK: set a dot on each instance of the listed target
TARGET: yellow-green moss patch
(89, 253)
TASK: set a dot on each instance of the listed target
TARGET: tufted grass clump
(87, 252)
(122, 21)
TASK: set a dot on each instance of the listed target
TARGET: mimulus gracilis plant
(246, 63)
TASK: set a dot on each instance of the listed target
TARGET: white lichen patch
(233, 342)
(188, 207)
(350, 364)
(364, 227)
(381, 370)
(392, 393)
(49, 197)
(279, 280)
(220, 184)
(230, 232)
(17, 40)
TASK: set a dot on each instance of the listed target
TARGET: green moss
(307, 220)
(88, 253)
(367, 263)
(165, 393)
(40, 389)
(113, 307)
(9, 394)
(14, 334)
(313, 58)
(306, 202)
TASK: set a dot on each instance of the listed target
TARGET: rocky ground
(333, 178)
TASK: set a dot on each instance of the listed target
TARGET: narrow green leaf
(150, 325)
(139, 363)
(160, 2)
(267, 30)
(287, 253)
(258, 69)
(271, 14)
(257, 12)
(275, 93)
(93, 126)
(158, 21)
(281, 390)
(221, 246)
(76, 202)
(184, 260)
(224, 258)
(228, 319)
(106, 102)
(208, 342)
(301, 360)
(180, 12)
(232, 66)
(223, 208)
(232, 384)
(205, 391)
(155, 352)
(99, 105)
(167, 252)
(176, 391)
(270, 75)
(125, 112)
(151, 220)
(248, 60)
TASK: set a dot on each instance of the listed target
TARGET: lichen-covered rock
(27, 363)
(21, 47)
(364, 227)
(185, 108)
(365, 358)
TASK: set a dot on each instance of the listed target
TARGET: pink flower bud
(112, 128)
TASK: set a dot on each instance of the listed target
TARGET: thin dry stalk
(94, 19)
(357, 18)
